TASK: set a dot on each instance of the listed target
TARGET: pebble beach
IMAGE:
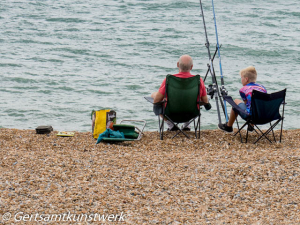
(211, 180)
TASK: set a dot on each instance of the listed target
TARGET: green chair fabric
(182, 103)
(128, 131)
(182, 98)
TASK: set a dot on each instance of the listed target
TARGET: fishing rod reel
(223, 91)
(210, 91)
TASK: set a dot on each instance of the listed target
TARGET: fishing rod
(222, 89)
(212, 88)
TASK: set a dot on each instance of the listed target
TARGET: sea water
(60, 60)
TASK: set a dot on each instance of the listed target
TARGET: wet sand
(212, 180)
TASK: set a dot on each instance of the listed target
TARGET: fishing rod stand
(212, 60)
(214, 92)
(213, 89)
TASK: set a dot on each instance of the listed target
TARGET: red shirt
(162, 88)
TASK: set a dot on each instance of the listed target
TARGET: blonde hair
(249, 72)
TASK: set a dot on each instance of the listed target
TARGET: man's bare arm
(157, 97)
(204, 99)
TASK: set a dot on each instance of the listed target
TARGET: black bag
(43, 129)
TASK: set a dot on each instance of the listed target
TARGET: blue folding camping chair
(264, 110)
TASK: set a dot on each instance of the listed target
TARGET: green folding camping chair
(131, 132)
(180, 105)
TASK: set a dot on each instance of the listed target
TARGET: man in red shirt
(185, 65)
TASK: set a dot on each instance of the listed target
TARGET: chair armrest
(234, 105)
(158, 107)
(151, 100)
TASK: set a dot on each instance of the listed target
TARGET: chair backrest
(265, 107)
(182, 94)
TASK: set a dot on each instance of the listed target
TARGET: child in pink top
(248, 79)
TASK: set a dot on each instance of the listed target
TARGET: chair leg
(281, 129)
(237, 123)
(263, 135)
(255, 130)
(199, 125)
(176, 125)
(282, 118)
(268, 131)
(161, 127)
(181, 131)
(247, 133)
(196, 124)
(273, 132)
(239, 129)
(162, 130)
(195, 128)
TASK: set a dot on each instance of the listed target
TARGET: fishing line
(222, 89)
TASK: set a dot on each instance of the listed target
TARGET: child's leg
(227, 127)
(233, 114)
(232, 117)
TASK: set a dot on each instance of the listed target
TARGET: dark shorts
(243, 107)
(157, 109)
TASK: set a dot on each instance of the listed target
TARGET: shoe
(224, 127)
(187, 128)
(250, 128)
(174, 128)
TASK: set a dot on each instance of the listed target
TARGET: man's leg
(158, 110)
(171, 126)
(186, 126)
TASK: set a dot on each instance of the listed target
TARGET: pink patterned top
(246, 92)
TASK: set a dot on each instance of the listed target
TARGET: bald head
(185, 63)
